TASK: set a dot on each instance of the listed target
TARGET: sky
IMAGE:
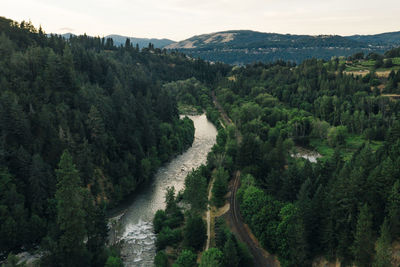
(181, 19)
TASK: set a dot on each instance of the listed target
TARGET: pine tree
(195, 232)
(213, 257)
(70, 213)
(383, 247)
(231, 257)
(363, 247)
(393, 210)
(220, 186)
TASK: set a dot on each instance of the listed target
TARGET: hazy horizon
(178, 19)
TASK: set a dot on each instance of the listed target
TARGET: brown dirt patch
(383, 74)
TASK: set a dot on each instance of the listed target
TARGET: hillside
(385, 39)
(83, 124)
(242, 47)
(255, 40)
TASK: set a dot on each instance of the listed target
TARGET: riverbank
(136, 229)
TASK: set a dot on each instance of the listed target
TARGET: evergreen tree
(212, 257)
(231, 257)
(186, 259)
(195, 232)
(383, 247)
(220, 187)
(70, 214)
(196, 190)
(393, 210)
(363, 247)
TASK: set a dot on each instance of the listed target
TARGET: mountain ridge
(244, 46)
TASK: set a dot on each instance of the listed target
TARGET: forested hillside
(100, 106)
(245, 47)
(345, 206)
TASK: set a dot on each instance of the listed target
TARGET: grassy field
(353, 142)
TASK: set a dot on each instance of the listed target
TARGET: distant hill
(388, 38)
(243, 46)
(251, 39)
(143, 42)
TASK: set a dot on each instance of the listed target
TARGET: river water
(136, 229)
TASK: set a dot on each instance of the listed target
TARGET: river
(136, 229)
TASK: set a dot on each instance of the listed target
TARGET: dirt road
(242, 231)
(209, 214)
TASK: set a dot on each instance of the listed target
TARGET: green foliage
(337, 135)
(167, 237)
(113, 262)
(12, 212)
(383, 247)
(291, 233)
(190, 92)
(161, 259)
(231, 257)
(220, 187)
(107, 105)
(186, 259)
(195, 232)
(159, 220)
(70, 213)
(196, 190)
(212, 257)
(363, 247)
(393, 210)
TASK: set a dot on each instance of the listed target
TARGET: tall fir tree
(71, 222)
(363, 247)
(383, 247)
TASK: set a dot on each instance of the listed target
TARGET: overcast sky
(181, 19)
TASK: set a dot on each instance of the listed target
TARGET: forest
(345, 207)
(83, 123)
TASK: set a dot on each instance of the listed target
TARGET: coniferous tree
(195, 232)
(230, 252)
(70, 214)
(363, 247)
(393, 210)
(383, 248)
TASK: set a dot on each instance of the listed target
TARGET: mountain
(143, 42)
(251, 39)
(244, 46)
